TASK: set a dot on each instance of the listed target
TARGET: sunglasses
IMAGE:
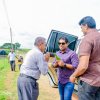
(63, 43)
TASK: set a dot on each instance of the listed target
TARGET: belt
(23, 75)
(81, 82)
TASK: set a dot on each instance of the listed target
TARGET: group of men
(87, 70)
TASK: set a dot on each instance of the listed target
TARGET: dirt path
(47, 92)
(10, 85)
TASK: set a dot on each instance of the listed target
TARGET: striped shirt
(68, 57)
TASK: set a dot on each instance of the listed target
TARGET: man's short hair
(89, 21)
(39, 40)
(64, 38)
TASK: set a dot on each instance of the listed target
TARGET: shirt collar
(92, 31)
(67, 50)
(36, 48)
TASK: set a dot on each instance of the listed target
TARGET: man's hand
(72, 79)
(47, 56)
(61, 63)
(55, 65)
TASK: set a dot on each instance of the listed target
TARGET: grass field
(3, 69)
(8, 84)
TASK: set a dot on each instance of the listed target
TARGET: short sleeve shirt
(90, 45)
(12, 56)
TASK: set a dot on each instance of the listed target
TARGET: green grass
(9, 92)
(8, 82)
(3, 69)
(21, 51)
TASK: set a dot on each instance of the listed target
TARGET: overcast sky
(31, 18)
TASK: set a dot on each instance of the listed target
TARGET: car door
(52, 42)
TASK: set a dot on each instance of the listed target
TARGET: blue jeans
(12, 64)
(88, 92)
(65, 90)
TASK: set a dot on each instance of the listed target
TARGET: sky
(31, 18)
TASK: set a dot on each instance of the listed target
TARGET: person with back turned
(89, 61)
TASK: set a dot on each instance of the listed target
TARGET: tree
(17, 45)
(8, 46)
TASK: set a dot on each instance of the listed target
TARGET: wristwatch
(64, 65)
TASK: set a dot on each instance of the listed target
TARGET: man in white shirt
(34, 64)
(11, 58)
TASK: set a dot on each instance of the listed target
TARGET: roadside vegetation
(8, 79)
(3, 69)
(8, 82)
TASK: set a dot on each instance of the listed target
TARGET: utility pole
(10, 29)
(11, 38)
